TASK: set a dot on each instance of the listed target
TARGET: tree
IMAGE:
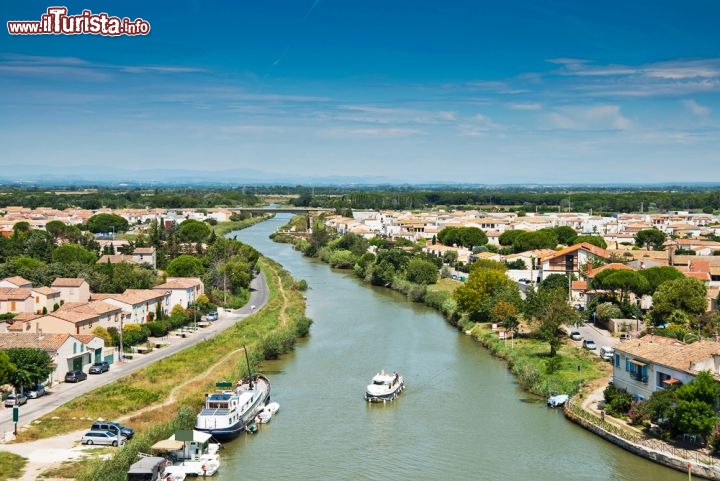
(462, 236)
(555, 281)
(686, 295)
(622, 280)
(55, 228)
(657, 275)
(68, 253)
(508, 237)
(591, 239)
(185, 266)
(549, 310)
(650, 237)
(477, 296)
(193, 231)
(104, 223)
(421, 271)
(565, 234)
(342, 259)
(33, 366)
(7, 368)
(382, 273)
(541, 239)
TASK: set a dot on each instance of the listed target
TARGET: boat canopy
(146, 469)
(197, 437)
(168, 445)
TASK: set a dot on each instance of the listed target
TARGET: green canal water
(461, 416)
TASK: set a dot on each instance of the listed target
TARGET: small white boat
(272, 408)
(154, 468)
(557, 400)
(263, 417)
(384, 387)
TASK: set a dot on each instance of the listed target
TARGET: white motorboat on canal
(227, 413)
(384, 387)
(191, 453)
(557, 400)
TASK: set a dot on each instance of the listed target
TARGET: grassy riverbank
(165, 396)
(222, 228)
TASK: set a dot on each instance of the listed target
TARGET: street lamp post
(121, 334)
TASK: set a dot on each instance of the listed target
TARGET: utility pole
(121, 344)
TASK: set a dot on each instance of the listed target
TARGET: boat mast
(247, 359)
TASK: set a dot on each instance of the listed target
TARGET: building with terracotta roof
(68, 352)
(571, 260)
(15, 282)
(651, 363)
(108, 315)
(182, 290)
(145, 255)
(137, 304)
(46, 298)
(72, 289)
(17, 300)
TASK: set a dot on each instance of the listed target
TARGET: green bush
(158, 328)
(617, 401)
(302, 326)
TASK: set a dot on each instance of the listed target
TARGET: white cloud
(363, 133)
(597, 117)
(526, 106)
(695, 107)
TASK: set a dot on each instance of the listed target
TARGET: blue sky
(414, 91)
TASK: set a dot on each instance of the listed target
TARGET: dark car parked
(75, 376)
(100, 367)
(113, 428)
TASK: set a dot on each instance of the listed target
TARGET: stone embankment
(697, 462)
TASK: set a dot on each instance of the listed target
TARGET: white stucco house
(182, 290)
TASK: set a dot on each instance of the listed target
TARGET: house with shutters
(16, 299)
(46, 299)
(182, 290)
(651, 363)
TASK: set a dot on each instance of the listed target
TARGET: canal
(461, 416)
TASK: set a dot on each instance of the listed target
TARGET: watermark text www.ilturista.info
(57, 22)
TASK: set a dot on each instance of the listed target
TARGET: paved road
(600, 336)
(61, 393)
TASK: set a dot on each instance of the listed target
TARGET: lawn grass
(528, 360)
(11, 465)
(446, 285)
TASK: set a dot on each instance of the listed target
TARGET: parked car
(575, 335)
(100, 367)
(35, 392)
(15, 400)
(101, 437)
(589, 344)
(624, 337)
(607, 353)
(113, 427)
(75, 376)
(212, 316)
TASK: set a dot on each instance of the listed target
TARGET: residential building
(72, 289)
(68, 352)
(182, 290)
(15, 282)
(145, 255)
(138, 304)
(46, 299)
(651, 363)
(16, 300)
(571, 260)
